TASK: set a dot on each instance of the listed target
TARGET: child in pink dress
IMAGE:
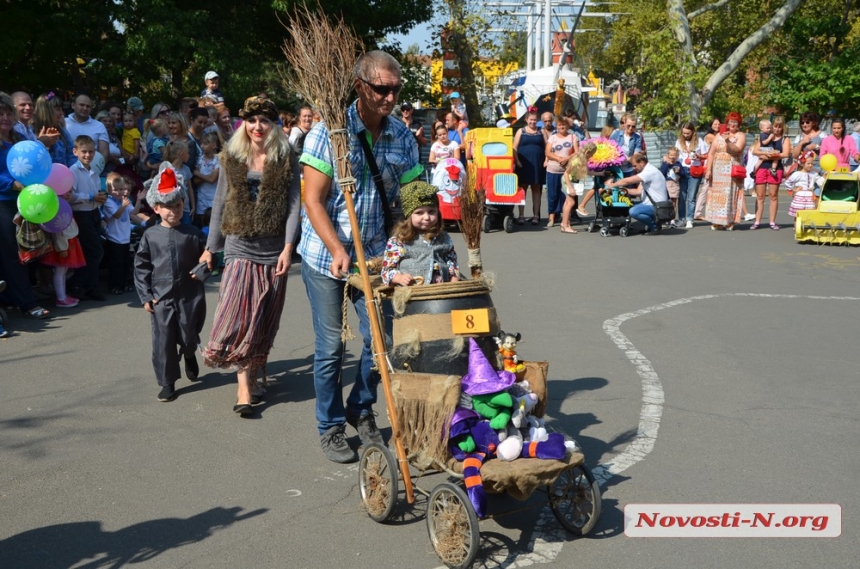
(802, 182)
(67, 254)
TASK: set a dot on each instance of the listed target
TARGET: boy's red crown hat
(165, 187)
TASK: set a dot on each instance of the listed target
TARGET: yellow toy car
(836, 219)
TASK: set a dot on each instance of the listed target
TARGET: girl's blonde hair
(406, 232)
(112, 177)
(180, 118)
(44, 114)
(157, 127)
(277, 145)
(174, 149)
(607, 131)
(577, 167)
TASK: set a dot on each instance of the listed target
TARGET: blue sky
(420, 34)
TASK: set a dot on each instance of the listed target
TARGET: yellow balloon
(828, 162)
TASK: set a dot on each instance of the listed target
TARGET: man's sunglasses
(383, 90)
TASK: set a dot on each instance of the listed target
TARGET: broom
(322, 54)
(472, 214)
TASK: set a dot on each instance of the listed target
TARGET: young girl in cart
(418, 247)
(802, 182)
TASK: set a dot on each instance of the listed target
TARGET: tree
(680, 23)
(817, 69)
(47, 44)
(685, 64)
(160, 49)
(468, 35)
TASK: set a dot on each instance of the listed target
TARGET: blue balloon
(29, 162)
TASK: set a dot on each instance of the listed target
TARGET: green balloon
(38, 203)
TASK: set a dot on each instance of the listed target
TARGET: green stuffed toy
(497, 407)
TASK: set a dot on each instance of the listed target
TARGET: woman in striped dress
(255, 220)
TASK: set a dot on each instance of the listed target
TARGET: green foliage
(43, 40)
(817, 68)
(160, 49)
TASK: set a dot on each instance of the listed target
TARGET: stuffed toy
(472, 441)
(554, 447)
(507, 347)
(488, 388)
(524, 403)
(496, 407)
(510, 443)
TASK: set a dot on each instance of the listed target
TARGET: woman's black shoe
(243, 408)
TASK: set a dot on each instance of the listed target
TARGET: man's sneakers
(167, 393)
(368, 432)
(334, 445)
(333, 441)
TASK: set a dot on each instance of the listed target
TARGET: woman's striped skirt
(247, 318)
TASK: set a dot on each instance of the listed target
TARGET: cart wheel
(488, 223)
(604, 232)
(574, 498)
(623, 232)
(453, 526)
(377, 479)
(591, 227)
(509, 224)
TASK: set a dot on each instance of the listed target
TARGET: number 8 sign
(470, 322)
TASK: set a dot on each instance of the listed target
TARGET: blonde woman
(255, 221)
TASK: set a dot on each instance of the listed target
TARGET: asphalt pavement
(748, 336)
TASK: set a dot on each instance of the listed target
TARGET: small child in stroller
(418, 246)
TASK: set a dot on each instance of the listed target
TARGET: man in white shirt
(80, 123)
(653, 187)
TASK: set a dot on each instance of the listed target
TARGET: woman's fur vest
(265, 217)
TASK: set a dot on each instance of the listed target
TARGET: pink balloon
(60, 179)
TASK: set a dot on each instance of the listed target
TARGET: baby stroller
(612, 208)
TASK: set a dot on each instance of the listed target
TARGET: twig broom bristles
(322, 56)
(472, 215)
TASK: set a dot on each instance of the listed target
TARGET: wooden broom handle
(378, 343)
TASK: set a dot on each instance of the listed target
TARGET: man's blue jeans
(644, 213)
(326, 297)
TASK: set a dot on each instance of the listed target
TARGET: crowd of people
(201, 192)
(700, 174)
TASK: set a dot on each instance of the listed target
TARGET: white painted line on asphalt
(652, 390)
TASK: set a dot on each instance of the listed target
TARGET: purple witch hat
(482, 378)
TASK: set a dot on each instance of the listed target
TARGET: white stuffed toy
(510, 444)
(523, 405)
(525, 401)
